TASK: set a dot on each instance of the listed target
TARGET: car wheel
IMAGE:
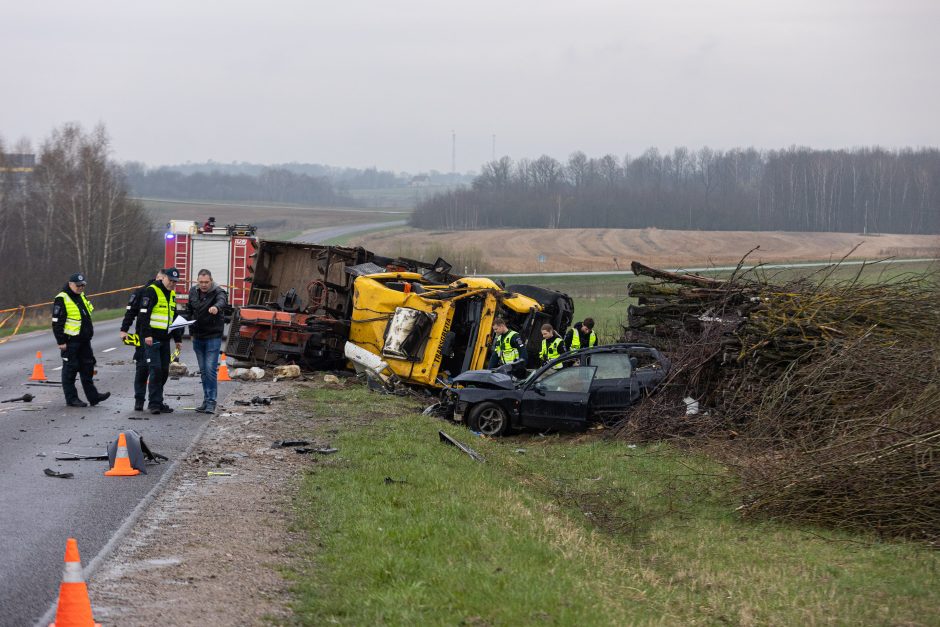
(489, 419)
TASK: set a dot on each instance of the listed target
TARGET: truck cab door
(558, 399)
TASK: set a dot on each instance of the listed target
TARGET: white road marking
(59, 368)
(108, 350)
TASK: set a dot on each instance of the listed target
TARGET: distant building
(421, 180)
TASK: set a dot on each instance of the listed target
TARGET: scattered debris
(178, 369)
(389, 481)
(25, 398)
(291, 371)
(217, 473)
(325, 450)
(463, 447)
(331, 378)
(78, 456)
(289, 443)
(54, 473)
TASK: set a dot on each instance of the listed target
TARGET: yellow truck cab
(427, 333)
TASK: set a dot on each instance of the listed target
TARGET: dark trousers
(141, 372)
(78, 359)
(158, 364)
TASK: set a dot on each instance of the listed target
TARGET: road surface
(316, 236)
(38, 513)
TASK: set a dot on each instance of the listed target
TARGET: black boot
(138, 406)
(77, 403)
(101, 397)
(166, 409)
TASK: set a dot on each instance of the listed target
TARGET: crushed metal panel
(407, 333)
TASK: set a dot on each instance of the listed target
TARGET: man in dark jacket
(157, 310)
(130, 316)
(204, 308)
(73, 330)
(581, 335)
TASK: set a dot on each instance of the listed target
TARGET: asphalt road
(38, 513)
(323, 234)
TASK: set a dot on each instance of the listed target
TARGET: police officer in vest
(552, 345)
(157, 310)
(581, 335)
(130, 315)
(508, 347)
(73, 330)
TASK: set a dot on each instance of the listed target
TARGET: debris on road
(54, 473)
(25, 398)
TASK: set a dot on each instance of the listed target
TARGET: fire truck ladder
(181, 255)
(239, 271)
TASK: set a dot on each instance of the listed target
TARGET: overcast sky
(384, 83)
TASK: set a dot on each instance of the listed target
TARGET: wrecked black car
(566, 394)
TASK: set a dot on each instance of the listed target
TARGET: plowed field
(561, 250)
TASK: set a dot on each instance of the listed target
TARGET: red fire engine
(224, 251)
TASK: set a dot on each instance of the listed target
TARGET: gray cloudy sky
(369, 82)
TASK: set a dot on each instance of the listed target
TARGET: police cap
(78, 278)
(171, 273)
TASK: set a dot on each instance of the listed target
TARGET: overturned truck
(308, 302)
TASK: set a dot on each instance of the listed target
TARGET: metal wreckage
(400, 320)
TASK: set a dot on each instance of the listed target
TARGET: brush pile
(831, 390)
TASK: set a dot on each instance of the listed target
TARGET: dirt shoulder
(211, 550)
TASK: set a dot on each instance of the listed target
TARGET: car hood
(486, 378)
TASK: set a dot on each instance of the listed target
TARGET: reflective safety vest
(73, 315)
(160, 314)
(550, 351)
(504, 348)
(576, 339)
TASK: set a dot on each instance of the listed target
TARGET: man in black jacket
(157, 310)
(204, 308)
(130, 315)
(73, 330)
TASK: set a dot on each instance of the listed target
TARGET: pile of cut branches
(831, 389)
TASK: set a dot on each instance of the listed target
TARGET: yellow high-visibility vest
(73, 315)
(161, 312)
(576, 339)
(506, 351)
(550, 351)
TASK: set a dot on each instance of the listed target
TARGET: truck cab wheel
(489, 419)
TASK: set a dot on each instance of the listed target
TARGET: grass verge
(402, 529)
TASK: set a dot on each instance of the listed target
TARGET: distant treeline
(268, 185)
(65, 208)
(797, 189)
(342, 178)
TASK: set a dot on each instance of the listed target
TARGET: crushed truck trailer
(424, 323)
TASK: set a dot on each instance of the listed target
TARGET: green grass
(33, 323)
(568, 531)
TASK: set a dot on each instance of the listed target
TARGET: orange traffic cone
(223, 370)
(122, 463)
(39, 373)
(74, 607)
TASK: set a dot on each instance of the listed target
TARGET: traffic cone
(223, 370)
(74, 607)
(122, 463)
(39, 373)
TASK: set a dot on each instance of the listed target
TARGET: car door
(558, 399)
(615, 386)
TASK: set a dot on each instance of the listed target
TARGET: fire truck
(226, 251)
